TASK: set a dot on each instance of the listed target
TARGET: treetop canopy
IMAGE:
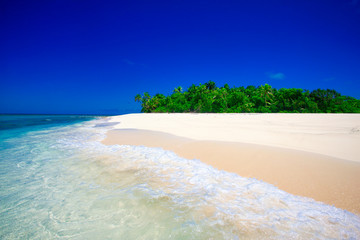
(208, 98)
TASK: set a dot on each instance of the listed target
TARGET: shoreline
(327, 179)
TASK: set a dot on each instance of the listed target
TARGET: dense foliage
(264, 99)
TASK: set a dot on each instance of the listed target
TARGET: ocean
(58, 181)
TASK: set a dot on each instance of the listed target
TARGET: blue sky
(66, 56)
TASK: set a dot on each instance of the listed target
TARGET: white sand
(335, 135)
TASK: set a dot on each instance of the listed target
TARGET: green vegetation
(207, 98)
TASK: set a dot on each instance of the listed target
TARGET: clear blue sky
(74, 56)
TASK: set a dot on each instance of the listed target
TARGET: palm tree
(178, 89)
(210, 85)
(138, 98)
(266, 92)
(145, 100)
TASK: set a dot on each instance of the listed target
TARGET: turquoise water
(57, 181)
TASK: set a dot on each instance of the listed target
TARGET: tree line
(208, 98)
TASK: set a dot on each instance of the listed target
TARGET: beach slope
(312, 155)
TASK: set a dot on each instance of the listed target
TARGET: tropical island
(208, 98)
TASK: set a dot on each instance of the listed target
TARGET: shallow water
(59, 182)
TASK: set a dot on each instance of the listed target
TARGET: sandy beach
(311, 155)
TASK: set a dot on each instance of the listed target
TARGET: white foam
(248, 205)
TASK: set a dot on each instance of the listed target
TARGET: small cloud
(125, 60)
(330, 79)
(135, 64)
(276, 75)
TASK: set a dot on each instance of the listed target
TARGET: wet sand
(326, 178)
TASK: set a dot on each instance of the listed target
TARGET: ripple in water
(63, 183)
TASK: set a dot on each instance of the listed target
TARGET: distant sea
(57, 181)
